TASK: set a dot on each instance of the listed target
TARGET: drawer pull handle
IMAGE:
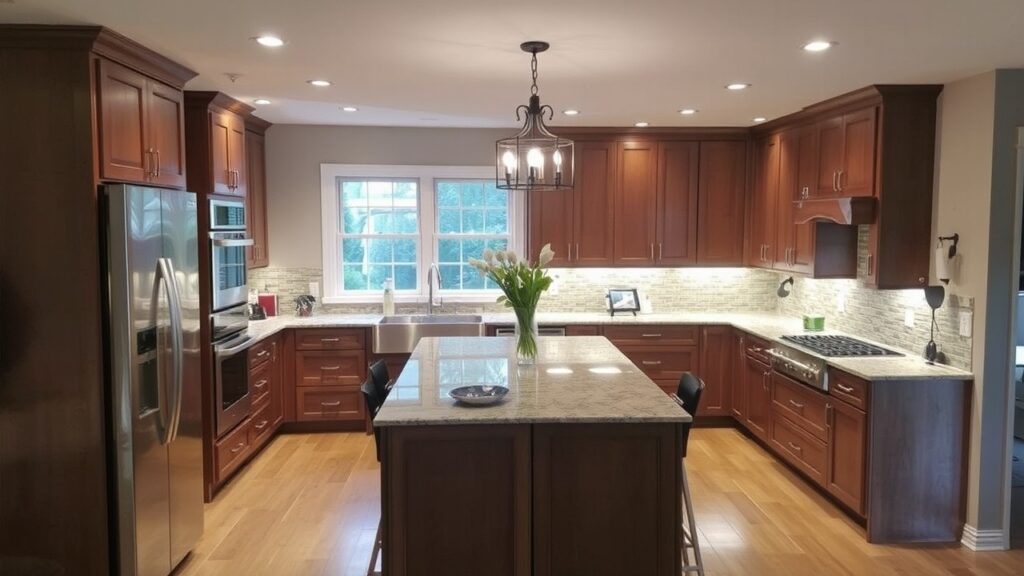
(260, 426)
(327, 340)
(795, 447)
(260, 384)
(842, 388)
(651, 335)
(261, 353)
(796, 404)
(238, 448)
(651, 362)
(334, 404)
(330, 368)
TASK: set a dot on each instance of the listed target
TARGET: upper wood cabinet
(846, 156)
(676, 211)
(215, 130)
(636, 200)
(721, 202)
(141, 127)
(550, 216)
(593, 203)
(227, 141)
(256, 197)
(763, 202)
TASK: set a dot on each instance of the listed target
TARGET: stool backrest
(687, 395)
(373, 402)
(381, 379)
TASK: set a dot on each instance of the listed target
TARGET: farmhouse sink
(400, 334)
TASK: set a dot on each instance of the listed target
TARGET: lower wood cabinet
(314, 403)
(716, 370)
(330, 368)
(847, 464)
(663, 364)
(757, 384)
(738, 392)
(799, 448)
(231, 450)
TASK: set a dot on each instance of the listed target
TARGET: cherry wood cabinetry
(676, 211)
(847, 447)
(550, 221)
(636, 202)
(215, 130)
(330, 366)
(738, 392)
(757, 381)
(721, 207)
(846, 158)
(141, 127)
(593, 204)
(258, 255)
(763, 201)
(716, 369)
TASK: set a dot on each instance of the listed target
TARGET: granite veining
(575, 380)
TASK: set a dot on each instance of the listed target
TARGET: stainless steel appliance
(231, 377)
(799, 365)
(541, 331)
(810, 368)
(228, 242)
(152, 268)
(834, 345)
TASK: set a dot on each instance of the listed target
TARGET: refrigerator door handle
(178, 345)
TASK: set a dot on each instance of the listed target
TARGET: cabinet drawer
(262, 352)
(334, 368)
(801, 405)
(582, 330)
(262, 423)
(326, 403)
(231, 450)
(657, 334)
(662, 363)
(330, 339)
(261, 381)
(848, 388)
(755, 348)
(800, 449)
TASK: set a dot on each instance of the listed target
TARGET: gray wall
(294, 155)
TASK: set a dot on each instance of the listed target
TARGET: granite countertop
(575, 380)
(910, 366)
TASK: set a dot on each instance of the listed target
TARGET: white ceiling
(458, 63)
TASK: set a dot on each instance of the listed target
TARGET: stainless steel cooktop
(834, 346)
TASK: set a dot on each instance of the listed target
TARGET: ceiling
(458, 63)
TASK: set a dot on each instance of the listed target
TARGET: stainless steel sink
(400, 334)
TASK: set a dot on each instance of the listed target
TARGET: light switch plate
(966, 323)
(908, 317)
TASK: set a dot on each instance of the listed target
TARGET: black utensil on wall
(934, 295)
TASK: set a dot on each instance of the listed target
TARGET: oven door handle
(233, 347)
(775, 355)
(232, 243)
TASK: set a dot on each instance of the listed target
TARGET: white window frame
(427, 245)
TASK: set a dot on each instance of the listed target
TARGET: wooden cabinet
(717, 353)
(582, 330)
(664, 364)
(738, 390)
(550, 221)
(677, 200)
(318, 403)
(592, 204)
(257, 256)
(330, 365)
(330, 368)
(846, 156)
(763, 202)
(757, 381)
(721, 203)
(141, 127)
(215, 130)
(636, 200)
(653, 334)
(227, 144)
(847, 463)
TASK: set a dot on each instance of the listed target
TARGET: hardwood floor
(309, 505)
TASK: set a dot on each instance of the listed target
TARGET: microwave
(228, 241)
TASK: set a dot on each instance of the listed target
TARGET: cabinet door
(761, 239)
(220, 137)
(847, 427)
(830, 156)
(721, 203)
(738, 389)
(858, 170)
(550, 222)
(785, 229)
(759, 401)
(635, 203)
(166, 127)
(592, 204)
(256, 199)
(236, 154)
(676, 214)
(716, 362)
(802, 257)
(123, 138)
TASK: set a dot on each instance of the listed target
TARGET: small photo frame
(623, 300)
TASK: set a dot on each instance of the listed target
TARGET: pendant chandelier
(534, 159)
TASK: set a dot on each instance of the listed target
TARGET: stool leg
(372, 570)
(690, 534)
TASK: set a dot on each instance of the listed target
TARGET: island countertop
(584, 379)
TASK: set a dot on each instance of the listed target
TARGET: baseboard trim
(984, 540)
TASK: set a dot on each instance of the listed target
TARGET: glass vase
(526, 335)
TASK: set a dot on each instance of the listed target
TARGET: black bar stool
(688, 397)
(374, 396)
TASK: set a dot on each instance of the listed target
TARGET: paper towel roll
(943, 270)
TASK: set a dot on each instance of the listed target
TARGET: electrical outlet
(314, 290)
(966, 323)
(908, 317)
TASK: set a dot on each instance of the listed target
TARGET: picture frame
(623, 300)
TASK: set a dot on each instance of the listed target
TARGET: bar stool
(382, 384)
(374, 400)
(688, 397)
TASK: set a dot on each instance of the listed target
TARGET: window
(383, 222)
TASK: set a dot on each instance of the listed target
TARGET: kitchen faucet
(431, 273)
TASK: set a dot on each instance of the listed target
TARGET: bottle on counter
(389, 297)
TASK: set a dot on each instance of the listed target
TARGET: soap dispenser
(389, 297)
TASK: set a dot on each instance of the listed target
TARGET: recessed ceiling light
(641, 124)
(688, 111)
(349, 108)
(760, 119)
(320, 83)
(818, 45)
(571, 112)
(269, 41)
(737, 86)
(261, 101)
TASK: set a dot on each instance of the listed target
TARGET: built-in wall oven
(228, 241)
(231, 374)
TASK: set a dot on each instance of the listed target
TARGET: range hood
(848, 211)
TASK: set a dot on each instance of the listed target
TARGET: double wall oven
(230, 316)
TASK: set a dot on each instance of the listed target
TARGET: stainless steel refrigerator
(155, 405)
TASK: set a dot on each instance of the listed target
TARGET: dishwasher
(542, 331)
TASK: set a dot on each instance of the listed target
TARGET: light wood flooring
(309, 505)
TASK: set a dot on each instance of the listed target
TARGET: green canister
(814, 322)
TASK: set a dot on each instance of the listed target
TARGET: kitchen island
(576, 471)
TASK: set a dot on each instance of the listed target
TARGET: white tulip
(546, 255)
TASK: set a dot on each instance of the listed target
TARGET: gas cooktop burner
(835, 346)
